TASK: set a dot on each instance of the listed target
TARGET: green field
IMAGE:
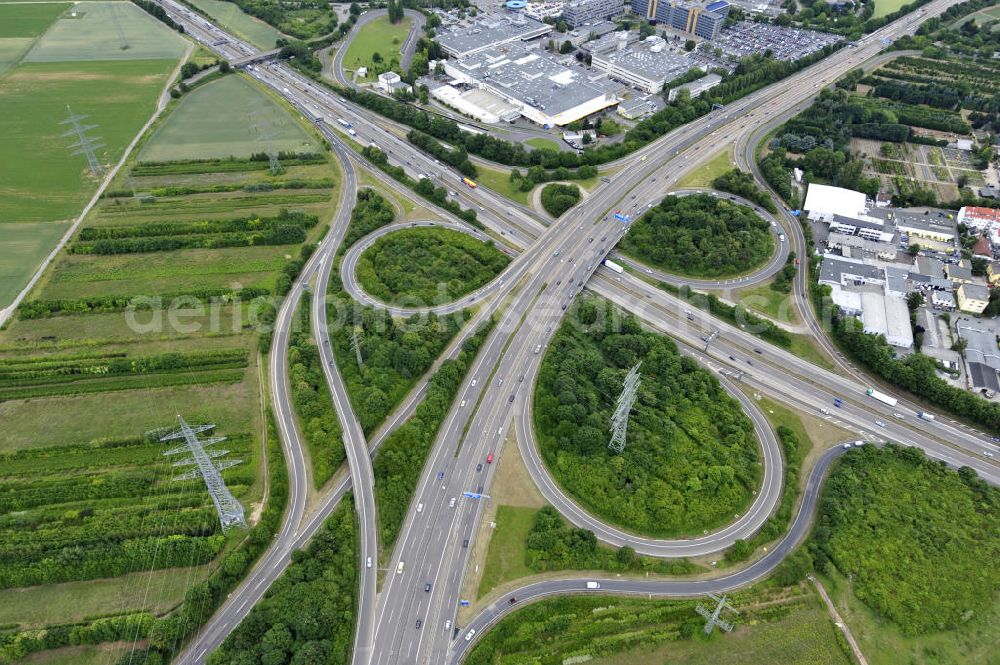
(545, 144)
(703, 175)
(505, 559)
(499, 182)
(91, 35)
(231, 18)
(24, 246)
(775, 625)
(203, 125)
(380, 37)
(29, 20)
(39, 177)
(883, 7)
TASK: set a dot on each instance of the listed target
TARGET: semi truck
(882, 397)
(924, 415)
(614, 266)
(344, 123)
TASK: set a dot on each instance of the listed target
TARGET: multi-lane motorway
(411, 620)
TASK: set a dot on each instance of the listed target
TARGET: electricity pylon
(619, 420)
(85, 145)
(713, 615)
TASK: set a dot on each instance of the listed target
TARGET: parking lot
(747, 38)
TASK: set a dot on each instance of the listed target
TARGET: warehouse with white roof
(824, 201)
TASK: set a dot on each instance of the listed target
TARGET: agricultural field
(51, 59)
(428, 265)
(230, 17)
(377, 46)
(187, 135)
(787, 625)
(153, 309)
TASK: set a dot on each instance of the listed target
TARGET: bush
(557, 199)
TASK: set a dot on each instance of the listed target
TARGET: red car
(489, 458)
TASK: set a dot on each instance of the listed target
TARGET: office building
(696, 87)
(703, 21)
(578, 12)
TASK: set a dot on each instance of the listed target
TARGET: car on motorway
(898, 415)
(758, 350)
(440, 475)
(880, 423)
(420, 507)
(511, 399)
(474, 381)
(489, 458)
(468, 635)
(512, 600)
(465, 543)
(427, 588)
(368, 562)
(479, 467)
(399, 568)
(987, 453)
(420, 624)
(451, 504)
(447, 624)
(837, 402)
(847, 445)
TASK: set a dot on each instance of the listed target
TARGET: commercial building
(636, 108)
(578, 12)
(703, 21)
(887, 315)
(983, 356)
(978, 218)
(539, 87)
(696, 87)
(390, 83)
(463, 40)
(824, 201)
(973, 298)
(645, 65)
(542, 10)
(922, 228)
(478, 104)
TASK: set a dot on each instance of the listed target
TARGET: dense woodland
(313, 403)
(427, 266)
(691, 458)
(700, 236)
(742, 184)
(557, 198)
(394, 352)
(307, 615)
(918, 540)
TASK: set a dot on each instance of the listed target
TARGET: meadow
(231, 18)
(30, 20)
(203, 125)
(378, 36)
(24, 246)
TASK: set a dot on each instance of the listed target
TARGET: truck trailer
(882, 397)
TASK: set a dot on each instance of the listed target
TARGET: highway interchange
(553, 264)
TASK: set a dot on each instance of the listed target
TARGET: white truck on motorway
(925, 416)
(614, 266)
(882, 397)
(593, 585)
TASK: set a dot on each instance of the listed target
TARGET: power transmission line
(619, 420)
(713, 616)
(122, 42)
(229, 509)
(85, 145)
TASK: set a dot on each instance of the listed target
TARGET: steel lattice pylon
(229, 509)
(619, 420)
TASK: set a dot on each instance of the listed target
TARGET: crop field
(29, 21)
(380, 37)
(230, 17)
(91, 35)
(24, 246)
(91, 507)
(200, 129)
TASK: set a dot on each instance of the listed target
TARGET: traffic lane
(661, 588)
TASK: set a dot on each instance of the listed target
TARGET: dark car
(511, 399)
(479, 467)
(757, 350)
(427, 587)
(420, 624)
(440, 475)
(465, 543)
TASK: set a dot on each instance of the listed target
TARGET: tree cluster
(558, 198)
(701, 236)
(742, 184)
(691, 457)
(917, 539)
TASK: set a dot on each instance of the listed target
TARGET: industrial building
(703, 21)
(540, 88)
(824, 201)
(645, 65)
(887, 315)
(578, 12)
(696, 87)
(489, 32)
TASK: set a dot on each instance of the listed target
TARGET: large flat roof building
(696, 87)
(461, 41)
(889, 316)
(645, 65)
(543, 90)
(578, 12)
(824, 201)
